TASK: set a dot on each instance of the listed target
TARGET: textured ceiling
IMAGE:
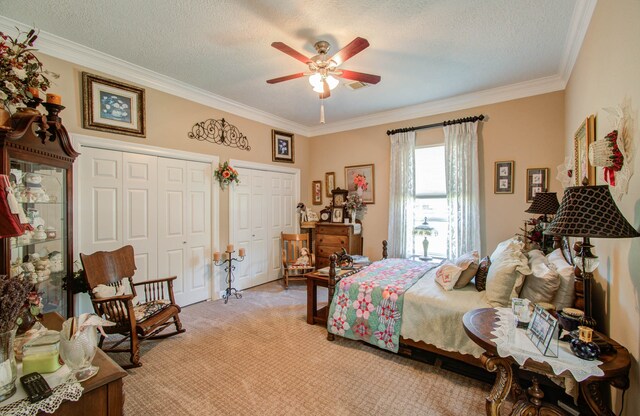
(424, 49)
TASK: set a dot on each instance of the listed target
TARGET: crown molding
(58, 47)
(582, 13)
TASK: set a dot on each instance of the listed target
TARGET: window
(430, 200)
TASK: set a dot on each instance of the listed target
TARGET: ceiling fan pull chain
(321, 112)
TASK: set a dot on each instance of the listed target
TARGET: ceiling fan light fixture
(332, 82)
(318, 88)
(316, 81)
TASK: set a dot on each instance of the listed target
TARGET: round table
(478, 325)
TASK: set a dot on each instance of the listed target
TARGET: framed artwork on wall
(503, 178)
(316, 192)
(582, 139)
(283, 149)
(329, 183)
(361, 179)
(112, 106)
(537, 181)
(337, 214)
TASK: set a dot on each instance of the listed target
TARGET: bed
(431, 318)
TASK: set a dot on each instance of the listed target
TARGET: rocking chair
(136, 323)
(292, 247)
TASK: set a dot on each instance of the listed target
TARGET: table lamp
(545, 203)
(589, 212)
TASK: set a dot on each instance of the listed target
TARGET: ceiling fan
(324, 69)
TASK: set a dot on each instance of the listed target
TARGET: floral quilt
(367, 306)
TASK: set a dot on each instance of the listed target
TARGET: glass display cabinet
(38, 158)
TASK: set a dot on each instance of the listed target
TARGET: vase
(425, 246)
(8, 369)
(353, 216)
(360, 191)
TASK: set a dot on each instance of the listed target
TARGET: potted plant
(425, 230)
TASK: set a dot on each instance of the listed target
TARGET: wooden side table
(315, 316)
(478, 325)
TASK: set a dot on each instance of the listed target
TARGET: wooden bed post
(384, 249)
(332, 288)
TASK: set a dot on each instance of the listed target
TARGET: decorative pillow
(512, 244)
(145, 310)
(542, 285)
(505, 277)
(447, 275)
(565, 294)
(468, 262)
(481, 274)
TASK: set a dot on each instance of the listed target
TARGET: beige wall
(606, 73)
(169, 119)
(529, 131)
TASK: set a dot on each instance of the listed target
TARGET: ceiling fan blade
(356, 46)
(326, 93)
(359, 76)
(285, 78)
(291, 52)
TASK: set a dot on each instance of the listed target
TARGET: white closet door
(241, 229)
(100, 200)
(281, 218)
(140, 212)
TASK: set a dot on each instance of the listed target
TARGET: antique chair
(115, 269)
(292, 250)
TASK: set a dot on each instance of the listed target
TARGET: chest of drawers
(331, 238)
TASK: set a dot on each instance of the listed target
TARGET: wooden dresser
(332, 237)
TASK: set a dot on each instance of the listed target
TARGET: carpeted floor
(258, 356)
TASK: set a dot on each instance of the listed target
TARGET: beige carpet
(258, 356)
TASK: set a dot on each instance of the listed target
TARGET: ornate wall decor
(219, 132)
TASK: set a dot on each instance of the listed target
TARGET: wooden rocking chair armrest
(113, 309)
(148, 282)
(154, 289)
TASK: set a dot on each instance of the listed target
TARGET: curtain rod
(443, 123)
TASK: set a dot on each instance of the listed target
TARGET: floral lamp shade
(544, 203)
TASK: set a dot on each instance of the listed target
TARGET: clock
(325, 215)
(339, 197)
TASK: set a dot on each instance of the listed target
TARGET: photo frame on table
(329, 183)
(537, 181)
(112, 106)
(543, 332)
(282, 147)
(582, 139)
(503, 177)
(337, 214)
(316, 192)
(368, 172)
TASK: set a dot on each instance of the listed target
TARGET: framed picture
(503, 178)
(316, 192)
(365, 175)
(337, 214)
(543, 331)
(112, 106)
(282, 146)
(582, 139)
(537, 181)
(329, 183)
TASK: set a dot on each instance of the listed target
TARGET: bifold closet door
(282, 217)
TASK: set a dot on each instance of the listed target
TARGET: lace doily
(521, 348)
(66, 391)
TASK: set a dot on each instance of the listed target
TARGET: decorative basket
(605, 153)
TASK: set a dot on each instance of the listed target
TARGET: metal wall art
(219, 132)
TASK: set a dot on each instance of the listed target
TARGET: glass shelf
(41, 203)
(33, 243)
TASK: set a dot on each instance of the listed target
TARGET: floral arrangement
(533, 235)
(226, 175)
(13, 292)
(360, 181)
(354, 202)
(34, 303)
(21, 72)
(76, 282)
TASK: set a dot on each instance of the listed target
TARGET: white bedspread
(434, 316)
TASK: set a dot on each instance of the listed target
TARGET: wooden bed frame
(407, 345)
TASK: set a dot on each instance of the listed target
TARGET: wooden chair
(292, 245)
(110, 268)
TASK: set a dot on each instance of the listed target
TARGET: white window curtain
(401, 191)
(463, 194)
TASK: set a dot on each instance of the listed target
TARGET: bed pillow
(481, 274)
(512, 244)
(447, 275)
(565, 295)
(505, 277)
(468, 262)
(543, 283)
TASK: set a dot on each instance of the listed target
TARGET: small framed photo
(316, 192)
(543, 332)
(282, 146)
(329, 183)
(537, 181)
(337, 214)
(503, 183)
(112, 106)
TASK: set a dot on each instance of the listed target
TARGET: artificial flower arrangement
(533, 235)
(360, 181)
(226, 175)
(21, 72)
(354, 202)
(13, 299)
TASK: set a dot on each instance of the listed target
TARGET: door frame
(237, 163)
(79, 141)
